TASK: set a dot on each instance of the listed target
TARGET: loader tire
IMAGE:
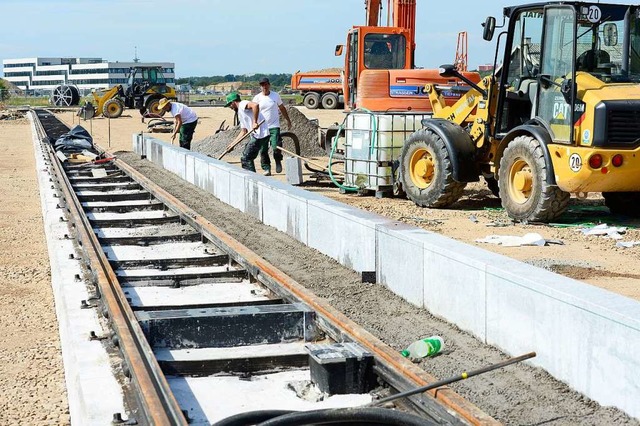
(524, 191)
(152, 107)
(427, 172)
(623, 203)
(311, 100)
(113, 108)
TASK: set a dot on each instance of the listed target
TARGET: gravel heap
(306, 130)
(327, 71)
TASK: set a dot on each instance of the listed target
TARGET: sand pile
(327, 71)
(305, 130)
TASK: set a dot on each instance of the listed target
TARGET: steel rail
(391, 362)
(154, 397)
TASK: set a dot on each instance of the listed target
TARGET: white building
(86, 73)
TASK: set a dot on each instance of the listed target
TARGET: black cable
(351, 416)
(252, 417)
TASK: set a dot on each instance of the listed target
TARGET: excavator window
(384, 51)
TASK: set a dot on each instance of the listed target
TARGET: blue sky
(217, 37)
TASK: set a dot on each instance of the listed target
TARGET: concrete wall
(583, 335)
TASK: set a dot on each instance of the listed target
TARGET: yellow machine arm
(474, 108)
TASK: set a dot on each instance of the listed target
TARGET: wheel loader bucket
(87, 112)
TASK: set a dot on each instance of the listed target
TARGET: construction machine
(385, 94)
(145, 87)
(561, 115)
(379, 70)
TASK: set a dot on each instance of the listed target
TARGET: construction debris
(605, 230)
(11, 115)
(530, 239)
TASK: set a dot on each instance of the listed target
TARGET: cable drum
(65, 95)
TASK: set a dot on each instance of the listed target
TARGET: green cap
(231, 97)
(404, 353)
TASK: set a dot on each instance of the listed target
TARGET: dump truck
(319, 89)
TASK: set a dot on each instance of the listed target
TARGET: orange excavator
(379, 71)
(387, 97)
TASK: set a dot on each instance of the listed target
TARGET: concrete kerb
(343, 233)
(200, 170)
(585, 336)
(87, 365)
(285, 208)
(189, 172)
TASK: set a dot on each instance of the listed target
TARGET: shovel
(229, 148)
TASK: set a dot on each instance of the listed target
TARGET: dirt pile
(11, 114)
(305, 130)
(327, 71)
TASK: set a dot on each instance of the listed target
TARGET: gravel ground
(32, 387)
(515, 395)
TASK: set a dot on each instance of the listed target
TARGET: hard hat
(231, 97)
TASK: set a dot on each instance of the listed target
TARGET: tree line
(277, 80)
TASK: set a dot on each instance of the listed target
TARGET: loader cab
(546, 46)
(141, 79)
(374, 48)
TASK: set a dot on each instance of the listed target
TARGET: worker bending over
(251, 120)
(186, 120)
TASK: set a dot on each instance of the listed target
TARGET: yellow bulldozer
(145, 87)
(561, 115)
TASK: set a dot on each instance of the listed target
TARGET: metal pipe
(464, 375)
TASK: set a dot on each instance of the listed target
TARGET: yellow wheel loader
(146, 86)
(561, 115)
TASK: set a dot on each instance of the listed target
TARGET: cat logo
(560, 110)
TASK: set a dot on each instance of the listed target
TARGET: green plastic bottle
(423, 348)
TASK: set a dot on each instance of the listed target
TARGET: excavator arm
(372, 8)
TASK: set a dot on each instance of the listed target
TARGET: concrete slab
(219, 293)
(154, 151)
(400, 260)
(582, 334)
(455, 282)
(218, 180)
(87, 365)
(189, 174)
(237, 192)
(252, 198)
(284, 209)
(211, 399)
(201, 171)
(344, 233)
(137, 144)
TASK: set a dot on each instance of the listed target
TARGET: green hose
(334, 144)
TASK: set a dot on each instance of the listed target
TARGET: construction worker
(251, 120)
(271, 107)
(186, 120)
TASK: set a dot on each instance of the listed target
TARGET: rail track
(206, 328)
